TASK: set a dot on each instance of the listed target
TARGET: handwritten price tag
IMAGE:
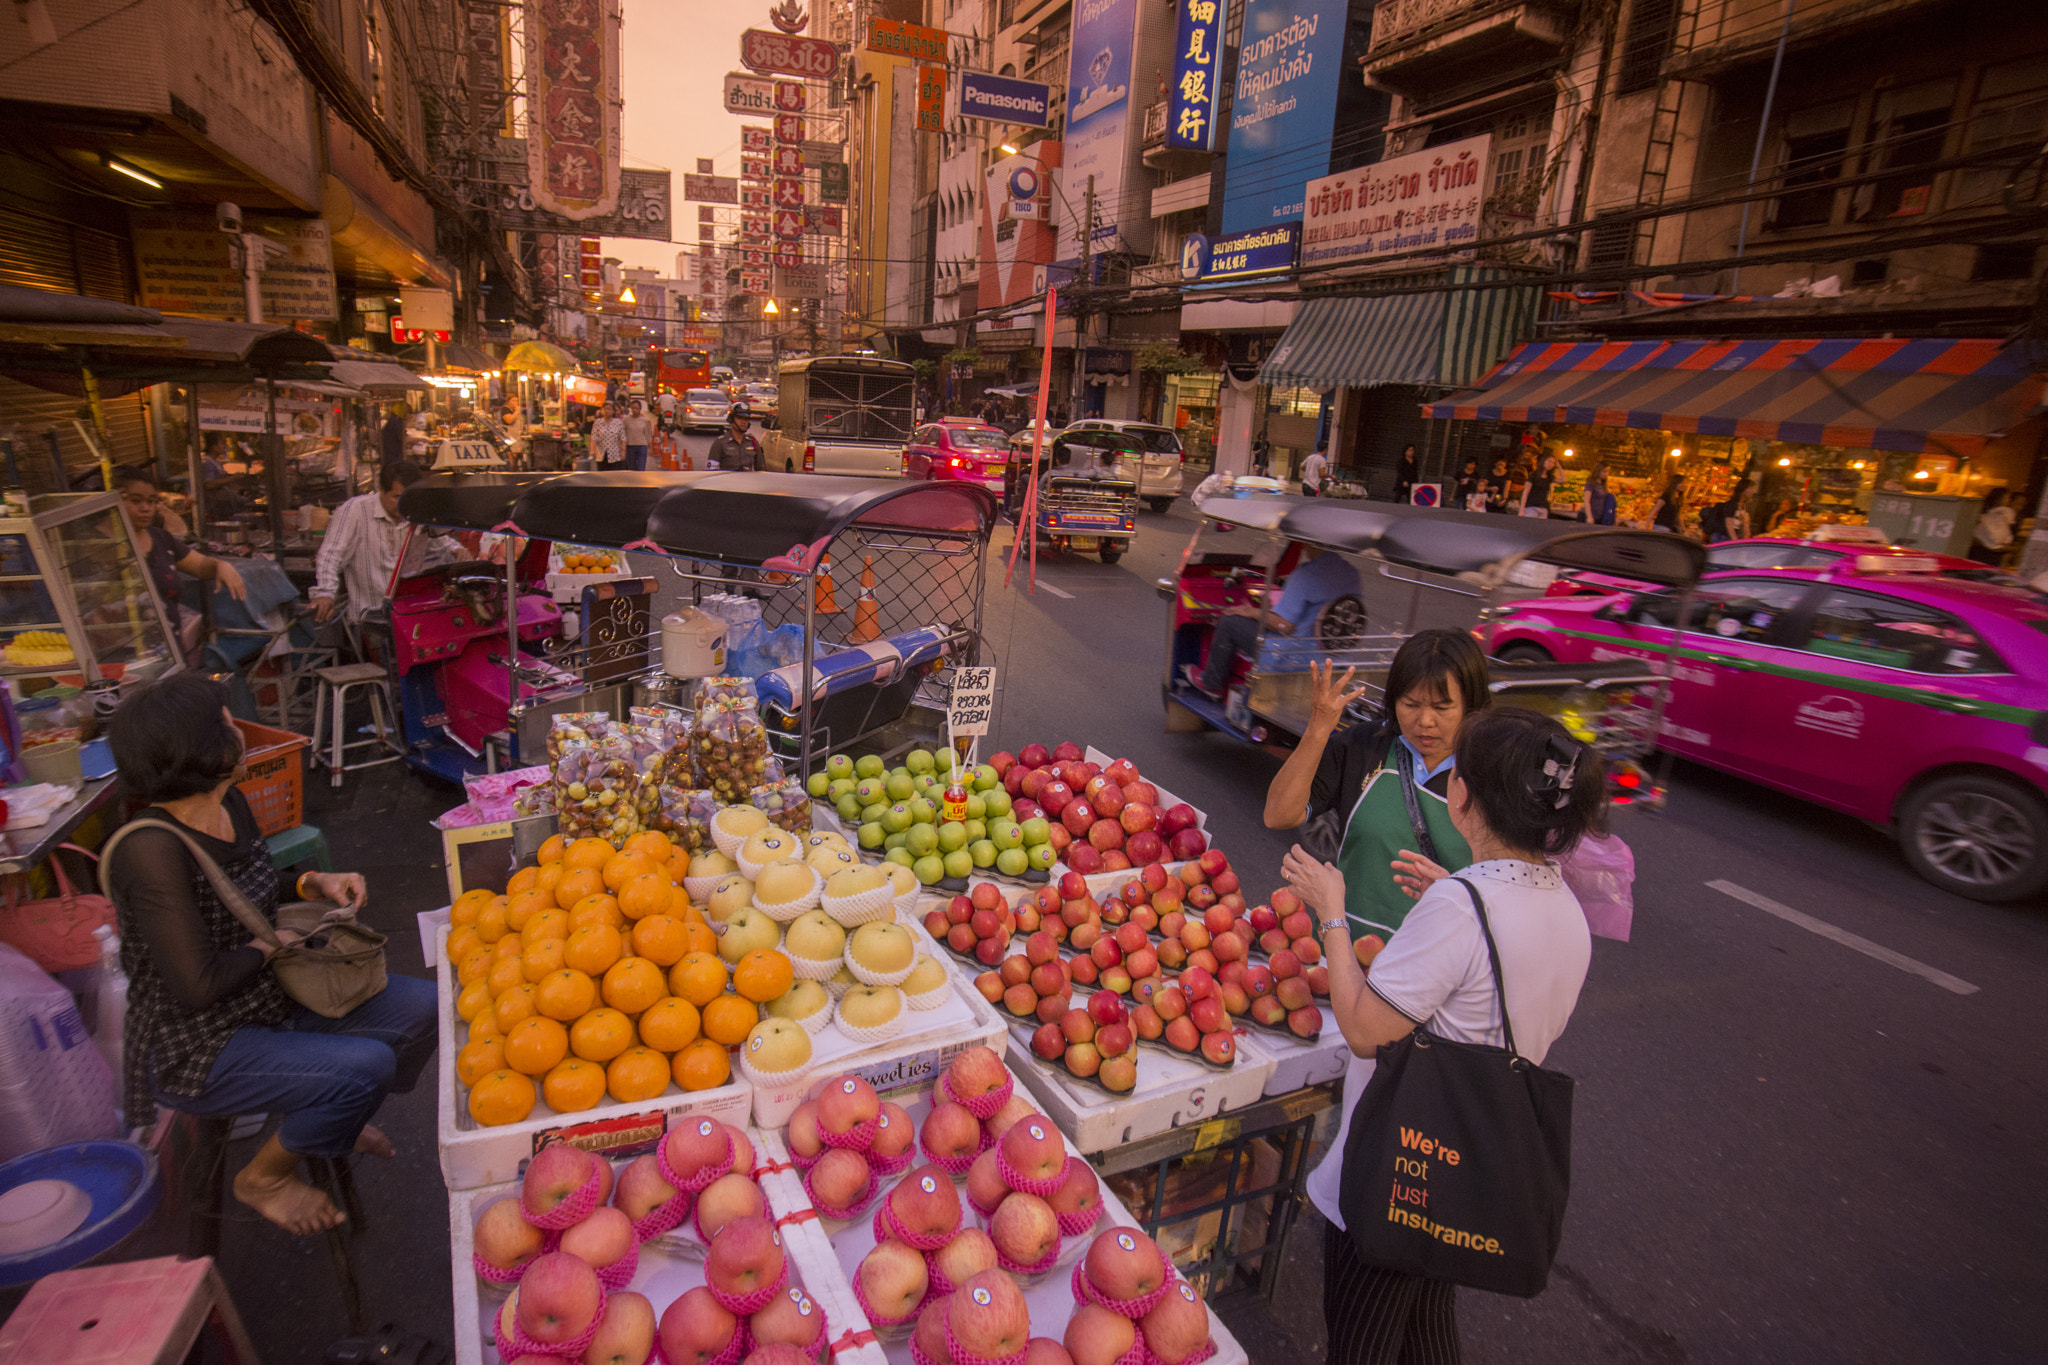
(974, 699)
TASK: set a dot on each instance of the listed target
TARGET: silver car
(705, 409)
(1159, 480)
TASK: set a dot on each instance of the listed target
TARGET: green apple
(923, 839)
(952, 835)
(926, 784)
(900, 839)
(1036, 831)
(1006, 833)
(930, 869)
(959, 863)
(983, 852)
(872, 791)
(840, 786)
(872, 835)
(976, 829)
(922, 811)
(997, 803)
(901, 788)
(985, 778)
(977, 809)
(1013, 862)
(918, 760)
(839, 765)
(900, 855)
(869, 765)
(1042, 856)
(848, 807)
(817, 784)
(873, 810)
(897, 818)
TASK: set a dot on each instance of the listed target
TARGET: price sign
(974, 700)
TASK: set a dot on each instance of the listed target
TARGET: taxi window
(1768, 556)
(1732, 609)
(1890, 632)
(977, 438)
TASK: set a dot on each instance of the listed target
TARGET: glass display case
(75, 594)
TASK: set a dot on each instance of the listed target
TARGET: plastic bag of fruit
(729, 749)
(684, 814)
(786, 803)
(575, 727)
(597, 791)
(725, 689)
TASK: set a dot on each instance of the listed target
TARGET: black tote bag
(1459, 1159)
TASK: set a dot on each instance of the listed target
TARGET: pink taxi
(1917, 701)
(958, 450)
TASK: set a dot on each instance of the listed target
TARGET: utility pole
(1081, 307)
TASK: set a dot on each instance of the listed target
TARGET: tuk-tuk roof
(609, 508)
(466, 501)
(783, 520)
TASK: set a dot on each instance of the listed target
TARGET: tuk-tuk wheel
(1112, 553)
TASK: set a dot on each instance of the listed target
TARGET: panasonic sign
(1001, 99)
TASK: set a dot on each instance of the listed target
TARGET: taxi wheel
(1525, 653)
(1979, 835)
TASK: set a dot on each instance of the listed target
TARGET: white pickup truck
(842, 415)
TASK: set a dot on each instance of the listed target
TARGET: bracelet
(299, 887)
(1332, 925)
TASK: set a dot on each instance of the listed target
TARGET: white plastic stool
(331, 721)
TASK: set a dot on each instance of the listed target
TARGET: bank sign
(1406, 203)
(1003, 99)
(1197, 61)
(1283, 108)
(1258, 252)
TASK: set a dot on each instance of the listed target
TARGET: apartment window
(1519, 141)
(1816, 142)
(1907, 130)
(2006, 261)
(2011, 110)
(373, 55)
(1006, 13)
(1651, 26)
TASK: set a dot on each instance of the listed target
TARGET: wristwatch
(1332, 924)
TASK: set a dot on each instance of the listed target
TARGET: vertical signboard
(1016, 239)
(572, 60)
(931, 99)
(1197, 63)
(1099, 102)
(1283, 108)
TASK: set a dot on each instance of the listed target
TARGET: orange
(632, 984)
(699, 978)
(522, 880)
(703, 1065)
(699, 937)
(544, 925)
(623, 867)
(508, 946)
(490, 921)
(474, 967)
(551, 875)
(598, 909)
(552, 849)
(535, 1045)
(542, 958)
(479, 1057)
(565, 995)
(660, 939)
(520, 908)
(589, 853)
(577, 883)
(650, 893)
(505, 974)
(501, 1097)
(462, 943)
(670, 1024)
(474, 1000)
(514, 1005)
(572, 1085)
(593, 948)
(464, 911)
(485, 1025)
(638, 1073)
(729, 1018)
(600, 1035)
(653, 845)
(762, 975)
(679, 906)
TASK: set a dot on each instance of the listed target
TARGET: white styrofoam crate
(1050, 1300)
(473, 1155)
(666, 1269)
(1298, 1063)
(433, 933)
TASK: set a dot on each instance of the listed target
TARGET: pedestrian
(1313, 469)
(1522, 793)
(1354, 776)
(734, 448)
(391, 438)
(1726, 519)
(1536, 493)
(1495, 487)
(209, 1029)
(1994, 529)
(165, 556)
(1787, 510)
(1262, 456)
(1470, 486)
(1600, 505)
(608, 438)
(362, 543)
(1318, 580)
(1406, 475)
(1669, 512)
(638, 431)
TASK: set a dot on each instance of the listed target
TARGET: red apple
(1024, 1227)
(1273, 941)
(1055, 796)
(1177, 1327)
(1294, 993)
(1137, 789)
(1144, 847)
(950, 1131)
(1083, 857)
(1190, 874)
(695, 1328)
(1115, 979)
(1106, 952)
(1219, 1048)
(1146, 1023)
(1048, 979)
(1077, 815)
(1285, 964)
(1085, 936)
(1078, 1026)
(1034, 756)
(960, 938)
(505, 1239)
(1194, 935)
(1084, 970)
(840, 1178)
(1367, 948)
(1308, 950)
(1181, 1033)
(558, 1171)
(1258, 981)
(1230, 948)
(1106, 1008)
(1021, 999)
(1268, 1010)
(1171, 1002)
(1318, 978)
(1050, 1008)
(1187, 844)
(1232, 974)
(1154, 878)
(1178, 818)
(745, 1255)
(1204, 898)
(1035, 782)
(987, 1316)
(1208, 1014)
(1083, 1060)
(732, 1195)
(1064, 752)
(1285, 902)
(1205, 959)
(1198, 982)
(1142, 963)
(1108, 799)
(1002, 761)
(894, 1278)
(936, 924)
(1172, 954)
(1236, 999)
(989, 951)
(1115, 1040)
(1305, 1023)
(926, 1204)
(1106, 835)
(1016, 969)
(1035, 1149)
(991, 986)
(1125, 1264)
(1143, 988)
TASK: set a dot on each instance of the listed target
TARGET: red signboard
(790, 97)
(788, 161)
(789, 223)
(761, 50)
(789, 194)
(755, 138)
(788, 254)
(572, 60)
(789, 128)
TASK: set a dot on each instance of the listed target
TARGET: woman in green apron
(1381, 788)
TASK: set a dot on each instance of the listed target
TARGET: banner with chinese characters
(572, 144)
(1197, 61)
(756, 138)
(1425, 199)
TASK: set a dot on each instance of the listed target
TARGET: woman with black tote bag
(1478, 1203)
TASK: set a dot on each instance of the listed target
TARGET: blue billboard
(1197, 62)
(1099, 101)
(1260, 251)
(1004, 99)
(1283, 109)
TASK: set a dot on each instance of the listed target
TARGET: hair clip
(1562, 772)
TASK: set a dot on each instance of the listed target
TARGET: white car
(705, 408)
(1159, 479)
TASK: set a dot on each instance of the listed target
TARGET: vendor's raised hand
(1329, 694)
(1415, 874)
(1318, 883)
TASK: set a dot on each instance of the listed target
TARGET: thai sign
(895, 38)
(1197, 60)
(931, 98)
(711, 189)
(1406, 203)
(183, 266)
(787, 54)
(1283, 108)
(1258, 252)
(748, 95)
(572, 145)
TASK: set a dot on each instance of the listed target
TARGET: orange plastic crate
(276, 785)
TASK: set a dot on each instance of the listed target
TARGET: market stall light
(1922, 474)
(1569, 452)
(1676, 452)
(1785, 462)
(123, 168)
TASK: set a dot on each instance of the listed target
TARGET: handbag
(336, 965)
(56, 932)
(1458, 1164)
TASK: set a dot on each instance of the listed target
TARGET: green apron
(1378, 830)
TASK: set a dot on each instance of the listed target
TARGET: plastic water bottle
(112, 1016)
(54, 1085)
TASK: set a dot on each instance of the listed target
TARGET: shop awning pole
(195, 459)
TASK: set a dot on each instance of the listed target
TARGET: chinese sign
(787, 54)
(1197, 60)
(1257, 252)
(1425, 199)
(755, 138)
(183, 266)
(931, 98)
(642, 209)
(1004, 99)
(748, 95)
(572, 149)
(895, 38)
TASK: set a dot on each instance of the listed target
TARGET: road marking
(1845, 938)
(1055, 591)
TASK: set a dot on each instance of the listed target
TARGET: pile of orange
(593, 975)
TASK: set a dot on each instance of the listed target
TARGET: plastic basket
(276, 786)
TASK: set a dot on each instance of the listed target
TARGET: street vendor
(1365, 773)
(167, 556)
(361, 545)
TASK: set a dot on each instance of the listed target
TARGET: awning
(457, 356)
(1932, 396)
(1443, 337)
(373, 373)
(541, 356)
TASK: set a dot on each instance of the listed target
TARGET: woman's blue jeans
(326, 1076)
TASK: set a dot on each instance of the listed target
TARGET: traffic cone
(826, 602)
(866, 610)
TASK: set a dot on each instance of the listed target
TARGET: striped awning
(1436, 336)
(1932, 396)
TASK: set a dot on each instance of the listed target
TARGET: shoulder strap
(1493, 957)
(1424, 845)
(230, 895)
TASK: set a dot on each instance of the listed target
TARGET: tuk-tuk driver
(1318, 580)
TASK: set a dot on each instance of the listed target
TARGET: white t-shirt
(1312, 468)
(1435, 971)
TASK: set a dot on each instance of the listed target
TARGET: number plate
(1085, 543)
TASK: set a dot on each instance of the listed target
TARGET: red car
(957, 449)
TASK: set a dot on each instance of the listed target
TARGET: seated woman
(209, 1030)
(167, 556)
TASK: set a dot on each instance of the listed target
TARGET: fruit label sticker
(974, 700)
(882, 1121)
(1037, 1133)
(803, 1305)
(1185, 1292)
(928, 1185)
(847, 1086)
(754, 1044)
(1123, 1239)
(704, 1129)
(982, 1296)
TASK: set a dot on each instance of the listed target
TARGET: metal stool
(332, 721)
(130, 1313)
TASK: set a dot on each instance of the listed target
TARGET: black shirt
(163, 555)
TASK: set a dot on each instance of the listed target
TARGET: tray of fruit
(1101, 815)
(1162, 1023)
(897, 814)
